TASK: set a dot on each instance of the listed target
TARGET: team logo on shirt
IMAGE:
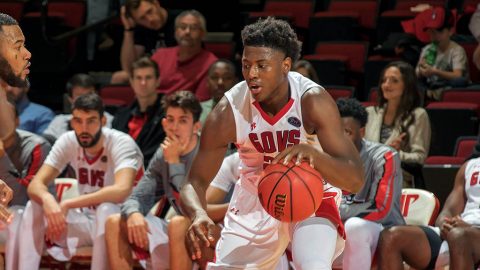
(269, 142)
(294, 121)
(91, 177)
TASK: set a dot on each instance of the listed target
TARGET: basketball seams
(316, 174)
(273, 183)
(312, 197)
(276, 184)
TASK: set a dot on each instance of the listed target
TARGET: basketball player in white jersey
(106, 163)
(269, 116)
(429, 247)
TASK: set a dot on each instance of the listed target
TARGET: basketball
(290, 193)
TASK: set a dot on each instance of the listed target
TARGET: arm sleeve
(61, 152)
(387, 176)
(459, 59)
(142, 198)
(228, 174)
(126, 154)
(419, 142)
(39, 153)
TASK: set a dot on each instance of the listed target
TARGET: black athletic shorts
(435, 242)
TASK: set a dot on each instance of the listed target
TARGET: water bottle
(431, 54)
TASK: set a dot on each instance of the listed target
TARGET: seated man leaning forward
(106, 162)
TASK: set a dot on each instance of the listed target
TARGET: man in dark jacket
(142, 120)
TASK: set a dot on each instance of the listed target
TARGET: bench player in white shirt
(269, 116)
(106, 163)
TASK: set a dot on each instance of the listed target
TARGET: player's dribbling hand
(138, 229)
(6, 193)
(299, 152)
(56, 223)
(200, 233)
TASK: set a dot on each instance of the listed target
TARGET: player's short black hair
(185, 100)
(89, 102)
(273, 33)
(80, 80)
(6, 19)
(352, 108)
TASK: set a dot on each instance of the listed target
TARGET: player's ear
(104, 120)
(287, 64)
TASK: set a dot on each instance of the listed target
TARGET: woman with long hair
(398, 119)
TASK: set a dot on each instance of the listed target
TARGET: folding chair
(419, 207)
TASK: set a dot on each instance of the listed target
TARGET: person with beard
(107, 163)
(14, 64)
(137, 229)
(185, 66)
(221, 77)
(33, 117)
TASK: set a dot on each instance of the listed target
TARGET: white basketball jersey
(261, 137)
(471, 213)
(119, 151)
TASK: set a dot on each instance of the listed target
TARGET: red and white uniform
(86, 225)
(252, 239)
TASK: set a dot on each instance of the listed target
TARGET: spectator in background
(147, 27)
(142, 119)
(186, 66)
(21, 155)
(399, 121)
(33, 117)
(306, 69)
(79, 84)
(475, 29)
(443, 63)
(221, 77)
(377, 204)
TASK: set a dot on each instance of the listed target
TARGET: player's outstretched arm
(218, 132)
(340, 164)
